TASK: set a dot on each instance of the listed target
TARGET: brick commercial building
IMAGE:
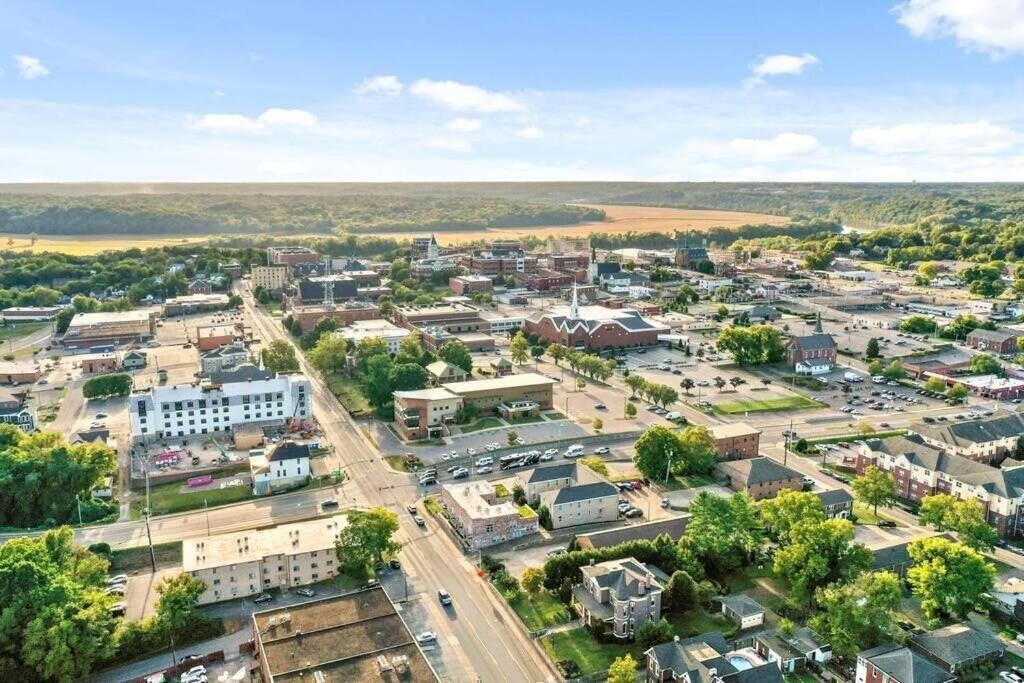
(19, 372)
(195, 303)
(332, 288)
(813, 354)
(920, 470)
(94, 363)
(345, 313)
(452, 318)
(292, 256)
(736, 440)
(271, 278)
(946, 362)
(466, 285)
(244, 563)
(987, 440)
(759, 477)
(209, 337)
(545, 280)
(358, 637)
(595, 327)
(482, 518)
(1000, 342)
(425, 413)
(115, 327)
(501, 257)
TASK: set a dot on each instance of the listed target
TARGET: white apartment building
(390, 334)
(273, 278)
(247, 563)
(256, 397)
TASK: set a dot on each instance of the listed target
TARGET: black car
(395, 564)
(329, 504)
(601, 406)
(886, 523)
(265, 597)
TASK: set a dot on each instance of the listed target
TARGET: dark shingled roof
(246, 372)
(697, 657)
(917, 452)
(904, 665)
(957, 643)
(571, 494)
(753, 471)
(998, 336)
(741, 604)
(970, 432)
(834, 497)
(673, 526)
(553, 472)
(289, 450)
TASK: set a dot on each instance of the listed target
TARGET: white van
(483, 462)
(574, 451)
(674, 415)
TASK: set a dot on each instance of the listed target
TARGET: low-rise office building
(346, 313)
(24, 314)
(467, 285)
(236, 565)
(425, 413)
(291, 256)
(487, 394)
(195, 303)
(245, 395)
(19, 372)
(115, 327)
(390, 334)
(482, 518)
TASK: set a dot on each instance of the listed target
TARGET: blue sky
(729, 90)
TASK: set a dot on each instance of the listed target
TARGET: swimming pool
(740, 662)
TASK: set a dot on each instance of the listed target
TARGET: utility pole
(149, 512)
(206, 508)
(789, 442)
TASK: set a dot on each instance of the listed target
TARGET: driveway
(685, 497)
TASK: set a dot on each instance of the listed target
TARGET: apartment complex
(759, 477)
(621, 595)
(291, 256)
(102, 329)
(245, 395)
(736, 440)
(920, 469)
(988, 440)
(270, 278)
(246, 563)
(482, 518)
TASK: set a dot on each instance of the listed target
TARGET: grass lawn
(482, 423)
(348, 392)
(685, 481)
(695, 622)
(865, 515)
(169, 498)
(134, 559)
(885, 434)
(17, 330)
(526, 420)
(796, 402)
(542, 611)
(744, 579)
(591, 656)
(553, 415)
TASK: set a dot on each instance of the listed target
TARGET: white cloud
(287, 117)
(218, 93)
(288, 168)
(780, 65)
(447, 144)
(995, 27)
(30, 68)
(463, 125)
(462, 97)
(746, 150)
(530, 133)
(379, 85)
(237, 123)
(975, 137)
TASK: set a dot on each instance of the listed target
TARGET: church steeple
(574, 310)
(817, 325)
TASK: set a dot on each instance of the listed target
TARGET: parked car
(306, 592)
(411, 509)
(886, 523)
(426, 637)
(395, 564)
(329, 504)
(635, 512)
(263, 598)
(119, 578)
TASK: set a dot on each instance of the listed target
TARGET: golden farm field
(85, 245)
(620, 219)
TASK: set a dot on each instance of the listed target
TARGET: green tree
(622, 670)
(875, 487)
(118, 384)
(966, 517)
(408, 377)
(376, 381)
(653, 450)
(557, 352)
(680, 593)
(635, 383)
(935, 385)
(520, 348)
(894, 370)
(872, 350)
(876, 368)
(179, 598)
(367, 349)
(279, 356)
(857, 615)
(532, 580)
(697, 454)
(788, 508)
(928, 270)
(949, 577)
(918, 324)
(818, 554)
(629, 411)
(329, 355)
(367, 539)
(411, 351)
(753, 345)
(512, 436)
(686, 385)
(957, 392)
(653, 632)
(984, 364)
(456, 353)
(598, 424)
(723, 532)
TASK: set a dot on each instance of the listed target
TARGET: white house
(709, 285)
(285, 467)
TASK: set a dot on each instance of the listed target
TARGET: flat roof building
(195, 303)
(482, 518)
(114, 327)
(391, 335)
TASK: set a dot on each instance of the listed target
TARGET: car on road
(444, 598)
(426, 637)
(928, 418)
(419, 521)
(460, 473)
(600, 406)
(884, 424)
(329, 504)
(481, 462)
(263, 598)
(470, 451)
(487, 469)
(665, 502)
(452, 469)
(445, 456)
(603, 450)
(395, 564)
(634, 513)
(100, 416)
(551, 451)
(429, 481)
(411, 509)
(886, 523)
(547, 457)
(306, 592)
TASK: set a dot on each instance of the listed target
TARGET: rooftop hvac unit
(272, 622)
(383, 664)
(286, 618)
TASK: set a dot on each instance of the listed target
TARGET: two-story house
(284, 467)
(621, 594)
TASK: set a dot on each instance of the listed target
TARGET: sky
(792, 90)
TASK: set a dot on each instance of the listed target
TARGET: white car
(1010, 677)
(546, 457)
(551, 451)
(490, 447)
(470, 451)
(482, 462)
(426, 637)
(487, 469)
(603, 450)
(446, 456)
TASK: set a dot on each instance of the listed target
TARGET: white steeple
(574, 310)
